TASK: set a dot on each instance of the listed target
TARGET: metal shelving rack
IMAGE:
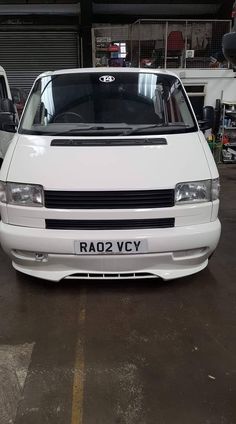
(229, 131)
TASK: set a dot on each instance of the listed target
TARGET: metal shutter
(25, 55)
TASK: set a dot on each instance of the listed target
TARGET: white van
(109, 176)
(6, 107)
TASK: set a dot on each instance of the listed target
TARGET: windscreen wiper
(77, 131)
(91, 128)
(166, 127)
(81, 129)
(137, 129)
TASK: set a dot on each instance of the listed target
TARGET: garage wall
(24, 55)
(219, 83)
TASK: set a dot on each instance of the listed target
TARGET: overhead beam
(156, 9)
(39, 9)
(166, 3)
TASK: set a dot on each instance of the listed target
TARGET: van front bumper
(50, 254)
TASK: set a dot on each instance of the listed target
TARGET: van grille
(144, 199)
(108, 224)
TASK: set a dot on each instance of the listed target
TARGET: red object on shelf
(225, 139)
(113, 48)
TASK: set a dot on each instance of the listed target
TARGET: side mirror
(7, 116)
(7, 105)
(7, 122)
(208, 120)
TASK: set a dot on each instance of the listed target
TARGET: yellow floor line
(79, 371)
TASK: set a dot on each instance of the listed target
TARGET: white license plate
(109, 247)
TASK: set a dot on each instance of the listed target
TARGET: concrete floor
(123, 353)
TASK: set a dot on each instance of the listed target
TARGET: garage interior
(117, 352)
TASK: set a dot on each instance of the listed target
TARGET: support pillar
(85, 33)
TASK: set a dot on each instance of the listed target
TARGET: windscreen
(115, 103)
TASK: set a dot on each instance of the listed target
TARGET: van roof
(2, 70)
(106, 70)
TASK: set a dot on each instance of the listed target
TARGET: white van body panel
(3, 74)
(52, 254)
(5, 137)
(5, 140)
(107, 168)
(169, 255)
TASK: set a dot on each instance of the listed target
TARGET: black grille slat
(73, 224)
(92, 197)
(109, 199)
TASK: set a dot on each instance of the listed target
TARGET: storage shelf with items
(109, 53)
(228, 132)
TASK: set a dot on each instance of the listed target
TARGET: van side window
(3, 89)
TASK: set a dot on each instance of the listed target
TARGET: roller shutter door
(25, 55)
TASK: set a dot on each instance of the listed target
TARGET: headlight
(22, 194)
(197, 191)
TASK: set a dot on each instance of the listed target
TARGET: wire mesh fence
(161, 44)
